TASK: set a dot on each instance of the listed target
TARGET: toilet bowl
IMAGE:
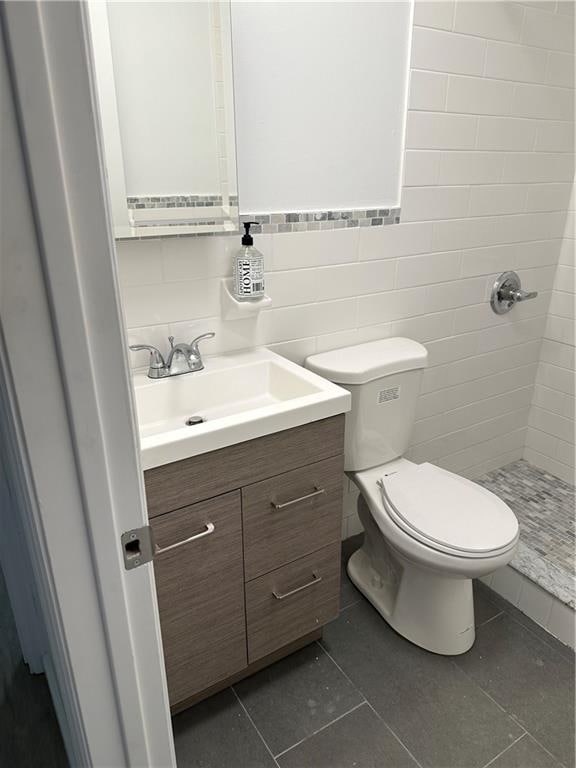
(421, 552)
(428, 532)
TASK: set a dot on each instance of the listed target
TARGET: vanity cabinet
(248, 561)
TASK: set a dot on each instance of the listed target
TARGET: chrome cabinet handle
(316, 492)
(209, 529)
(282, 595)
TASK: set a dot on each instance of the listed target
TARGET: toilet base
(433, 611)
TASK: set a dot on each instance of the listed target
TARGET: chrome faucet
(182, 358)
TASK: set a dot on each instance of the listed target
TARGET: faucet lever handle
(171, 340)
(194, 342)
(156, 359)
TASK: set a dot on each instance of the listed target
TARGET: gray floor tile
(358, 740)
(217, 733)
(435, 709)
(526, 753)
(485, 608)
(530, 680)
(296, 696)
(521, 618)
(29, 731)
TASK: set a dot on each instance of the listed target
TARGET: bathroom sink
(237, 397)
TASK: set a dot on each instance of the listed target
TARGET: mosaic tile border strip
(309, 221)
(176, 201)
(291, 221)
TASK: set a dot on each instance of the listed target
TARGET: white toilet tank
(383, 378)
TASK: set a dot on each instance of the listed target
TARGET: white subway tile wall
(488, 171)
(550, 433)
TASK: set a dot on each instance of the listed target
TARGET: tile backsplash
(488, 170)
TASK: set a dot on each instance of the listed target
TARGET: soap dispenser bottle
(248, 269)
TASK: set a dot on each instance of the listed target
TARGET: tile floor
(366, 698)
(29, 732)
(544, 506)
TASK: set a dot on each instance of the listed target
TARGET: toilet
(428, 532)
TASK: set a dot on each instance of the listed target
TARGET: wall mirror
(164, 86)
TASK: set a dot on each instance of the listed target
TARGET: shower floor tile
(544, 506)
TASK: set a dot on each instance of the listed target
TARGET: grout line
(398, 739)
(254, 726)
(543, 640)
(395, 735)
(350, 605)
(544, 748)
(346, 607)
(506, 750)
(500, 707)
(500, 613)
(323, 728)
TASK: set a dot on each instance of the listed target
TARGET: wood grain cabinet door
(200, 586)
(291, 515)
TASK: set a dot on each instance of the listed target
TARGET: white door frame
(66, 353)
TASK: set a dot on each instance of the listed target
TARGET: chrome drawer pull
(316, 492)
(209, 529)
(315, 580)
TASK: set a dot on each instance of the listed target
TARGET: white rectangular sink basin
(240, 396)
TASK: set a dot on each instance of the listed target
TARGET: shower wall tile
(488, 169)
(515, 62)
(496, 21)
(441, 51)
(550, 438)
(438, 14)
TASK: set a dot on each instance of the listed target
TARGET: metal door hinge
(137, 547)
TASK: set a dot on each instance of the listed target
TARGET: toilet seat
(447, 512)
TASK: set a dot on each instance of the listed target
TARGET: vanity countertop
(240, 396)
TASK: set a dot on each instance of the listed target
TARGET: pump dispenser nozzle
(247, 238)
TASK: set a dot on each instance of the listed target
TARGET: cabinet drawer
(201, 594)
(292, 601)
(291, 515)
(201, 477)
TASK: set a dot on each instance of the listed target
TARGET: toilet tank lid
(364, 362)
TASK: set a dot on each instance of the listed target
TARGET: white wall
(550, 435)
(164, 89)
(320, 100)
(488, 171)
